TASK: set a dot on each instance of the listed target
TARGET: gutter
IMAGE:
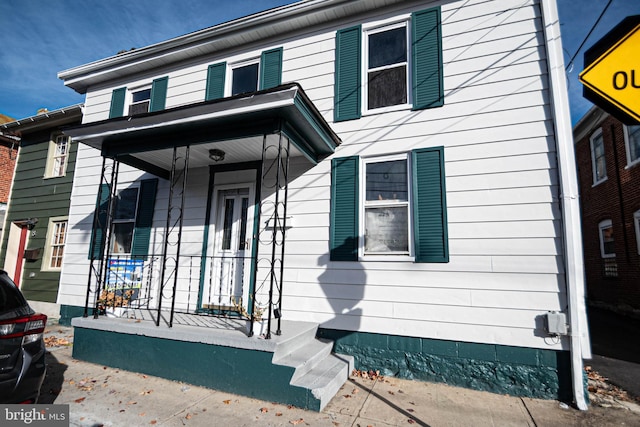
(47, 118)
(580, 346)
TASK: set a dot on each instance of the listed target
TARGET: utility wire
(570, 64)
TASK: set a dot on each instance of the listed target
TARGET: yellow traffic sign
(615, 75)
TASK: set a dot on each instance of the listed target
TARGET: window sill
(386, 258)
(52, 177)
(384, 110)
(636, 162)
(600, 182)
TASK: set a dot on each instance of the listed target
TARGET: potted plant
(112, 304)
(256, 318)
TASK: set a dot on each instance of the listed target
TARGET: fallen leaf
(132, 402)
(355, 390)
(144, 392)
(122, 410)
(410, 421)
(80, 400)
(263, 410)
(226, 402)
(153, 422)
(347, 396)
(410, 410)
(71, 382)
(278, 414)
(296, 422)
(390, 392)
(142, 414)
(188, 416)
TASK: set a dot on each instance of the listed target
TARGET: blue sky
(42, 37)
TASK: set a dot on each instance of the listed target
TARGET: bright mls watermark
(34, 415)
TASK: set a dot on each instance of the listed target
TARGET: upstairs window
(387, 67)
(632, 141)
(636, 222)
(244, 78)
(57, 156)
(140, 101)
(598, 161)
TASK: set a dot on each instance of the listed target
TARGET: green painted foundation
(68, 312)
(517, 371)
(240, 371)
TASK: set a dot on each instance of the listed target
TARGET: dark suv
(22, 365)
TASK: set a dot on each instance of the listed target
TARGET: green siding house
(35, 225)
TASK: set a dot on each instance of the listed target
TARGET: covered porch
(199, 270)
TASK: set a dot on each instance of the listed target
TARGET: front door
(230, 264)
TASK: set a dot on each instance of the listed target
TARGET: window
(399, 213)
(132, 220)
(632, 141)
(387, 67)
(247, 76)
(386, 207)
(400, 64)
(607, 243)
(636, 221)
(56, 238)
(244, 78)
(124, 220)
(598, 160)
(140, 101)
(57, 156)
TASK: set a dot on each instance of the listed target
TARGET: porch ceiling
(235, 125)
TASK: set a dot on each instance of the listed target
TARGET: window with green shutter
(399, 212)
(131, 220)
(159, 94)
(271, 68)
(401, 63)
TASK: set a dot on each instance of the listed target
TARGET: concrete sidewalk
(104, 396)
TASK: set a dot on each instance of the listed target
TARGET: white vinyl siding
(496, 127)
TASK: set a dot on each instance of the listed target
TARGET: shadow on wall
(343, 288)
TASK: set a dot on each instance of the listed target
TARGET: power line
(589, 34)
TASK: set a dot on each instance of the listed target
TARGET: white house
(394, 176)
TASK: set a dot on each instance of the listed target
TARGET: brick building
(608, 159)
(8, 154)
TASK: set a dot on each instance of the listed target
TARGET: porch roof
(235, 124)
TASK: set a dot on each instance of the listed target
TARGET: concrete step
(306, 357)
(295, 335)
(326, 377)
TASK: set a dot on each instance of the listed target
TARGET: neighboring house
(608, 157)
(34, 240)
(397, 174)
(8, 151)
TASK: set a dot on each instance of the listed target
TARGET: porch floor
(224, 331)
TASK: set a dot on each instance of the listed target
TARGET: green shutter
(144, 218)
(426, 32)
(96, 248)
(429, 205)
(344, 209)
(215, 81)
(159, 94)
(346, 101)
(271, 68)
(117, 102)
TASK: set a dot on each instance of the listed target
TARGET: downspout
(573, 262)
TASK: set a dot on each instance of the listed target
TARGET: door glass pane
(242, 243)
(386, 229)
(388, 47)
(228, 224)
(387, 181)
(245, 79)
